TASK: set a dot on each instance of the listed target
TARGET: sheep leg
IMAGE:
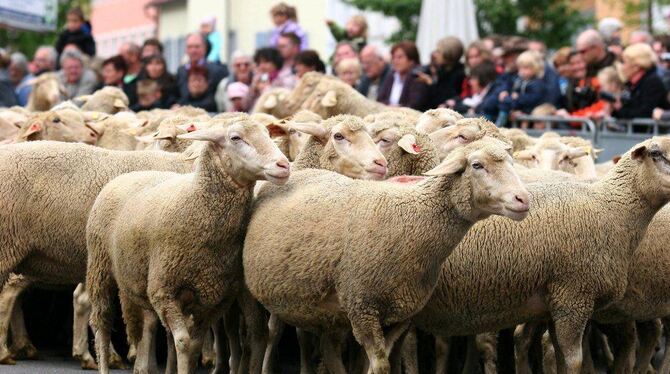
(622, 337)
(231, 323)
(257, 332)
(22, 348)
(487, 346)
(208, 354)
(588, 367)
(471, 365)
(187, 340)
(275, 329)
(604, 345)
(368, 332)
(219, 349)
(102, 289)
(141, 329)
(569, 327)
(665, 364)
(82, 312)
(408, 352)
(305, 352)
(8, 297)
(548, 354)
(171, 362)
(442, 347)
(648, 333)
(331, 347)
(523, 337)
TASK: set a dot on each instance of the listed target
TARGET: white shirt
(396, 89)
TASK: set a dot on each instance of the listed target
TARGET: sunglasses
(583, 50)
(242, 64)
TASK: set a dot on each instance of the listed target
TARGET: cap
(237, 89)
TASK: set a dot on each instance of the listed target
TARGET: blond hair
(612, 75)
(533, 60)
(640, 54)
(349, 64)
(545, 109)
(147, 87)
(284, 9)
(360, 20)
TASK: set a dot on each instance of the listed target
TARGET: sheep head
(64, 125)
(464, 131)
(46, 92)
(435, 119)
(488, 183)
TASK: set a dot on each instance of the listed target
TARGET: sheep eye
(338, 136)
(477, 165)
(384, 140)
(462, 137)
(235, 138)
(291, 131)
(655, 154)
(56, 120)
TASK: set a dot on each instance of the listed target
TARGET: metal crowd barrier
(562, 125)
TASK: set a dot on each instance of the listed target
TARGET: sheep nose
(381, 162)
(522, 199)
(283, 164)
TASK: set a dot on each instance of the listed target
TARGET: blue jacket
(551, 81)
(530, 94)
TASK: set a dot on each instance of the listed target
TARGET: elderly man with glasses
(242, 72)
(594, 52)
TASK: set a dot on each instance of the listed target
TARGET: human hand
(502, 95)
(657, 114)
(425, 78)
(451, 103)
(562, 113)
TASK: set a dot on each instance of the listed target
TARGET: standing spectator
(343, 50)
(644, 90)
(529, 89)
(640, 36)
(582, 90)
(19, 76)
(403, 88)
(349, 70)
(550, 77)
(155, 69)
(285, 18)
(610, 30)
(196, 47)
(149, 96)
(44, 60)
(268, 62)
(131, 54)
(77, 79)
(208, 30)
(476, 53)
(375, 70)
(288, 47)
(355, 32)
(7, 95)
(113, 71)
(238, 94)
(198, 91)
(446, 72)
(610, 86)
(242, 72)
(78, 32)
(593, 50)
(150, 47)
(484, 98)
(307, 61)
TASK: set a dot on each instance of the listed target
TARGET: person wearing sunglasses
(242, 72)
(594, 52)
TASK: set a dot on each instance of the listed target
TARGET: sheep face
(48, 90)
(435, 119)
(248, 150)
(463, 132)
(395, 144)
(653, 157)
(490, 179)
(64, 125)
(289, 140)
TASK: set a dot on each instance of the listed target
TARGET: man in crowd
(74, 76)
(44, 60)
(113, 71)
(594, 52)
(131, 55)
(151, 47)
(19, 76)
(375, 70)
(196, 49)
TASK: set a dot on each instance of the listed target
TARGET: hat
(237, 90)
(514, 44)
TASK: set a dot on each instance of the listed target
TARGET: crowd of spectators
(496, 77)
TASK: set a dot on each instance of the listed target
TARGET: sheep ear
(166, 133)
(98, 127)
(215, 135)
(84, 98)
(33, 129)
(597, 151)
(329, 99)
(188, 127)
(146, 139)
(312, 128)
(408, 144)
(276, 130)
(578, 152)
(119, 104)
(639, 153)
(454, 163)
(525, 155)
(271, 102)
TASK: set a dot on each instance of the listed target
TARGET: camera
(610, 97)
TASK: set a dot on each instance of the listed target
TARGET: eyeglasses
(583, 50)
(240, 64)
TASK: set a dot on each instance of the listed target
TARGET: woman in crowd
(349, 70)
(155, 69)
(445, 73)
(476, 53)
(307, 61)
(243, 72)
(485, 91)
(403, 87)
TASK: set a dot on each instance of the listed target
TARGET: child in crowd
(148, 95)
(610, 83)
(542, 110)
(484, 92)
(528, 90)
(238, 95)
(285, 18)
(197, 90)
(355, 32)
(78, 32)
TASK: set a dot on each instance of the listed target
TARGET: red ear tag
(191, 128)
(416, 148)
(35, 127)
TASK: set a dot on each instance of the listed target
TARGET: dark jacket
(138, 108)
(448, 85)
(592, 70)
(580, 94)
(530, 94)
(168, 85)
(205, 102)
(489, 105)
(82, 38)
(216, 73)
(414, 92)
(7, 96)
(551, 82)
(365, 83)
(643, 97)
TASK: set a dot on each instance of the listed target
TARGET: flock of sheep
(356, 223)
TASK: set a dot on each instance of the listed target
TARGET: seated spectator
(198, 92)
(242, 72)
(476, 53)
(150, 47)
(594, 52)
(349, 70)
(268, 62)
(78, 32)
(75, 77)
(113, 71)
(375, 70)
(484, 98)
(148, 96)
(611, 86)
(156, 70)
(285, 18)
(343, 50)
(19, 76)
(288, 47)
(561, 61)
(208, 30)
(238, 94)
(355, 32)
(542, 110)
(582, 91)
(307, 61)
(403, 88)
(643, 90)
(196, 48)
(528, 90)
(44, 60)
(446, 72)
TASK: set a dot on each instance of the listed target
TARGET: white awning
(440, 18)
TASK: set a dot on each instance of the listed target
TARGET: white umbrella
(440, 18)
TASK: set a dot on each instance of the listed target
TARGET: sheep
(561, 274)
(14, 117)
(462, 132)
(274, 102)
(8, 130)
(107, 99)
(112, 132)
(341, 144)
(46, 92)
(166, 136)
(332, 97)
(328, 272)
(290, 141)
(215, 200)
(65, 125)
(435, 119)
(66, 178)
(520, 139)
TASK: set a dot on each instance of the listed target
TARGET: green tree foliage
(28, 41)
(406, 11)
